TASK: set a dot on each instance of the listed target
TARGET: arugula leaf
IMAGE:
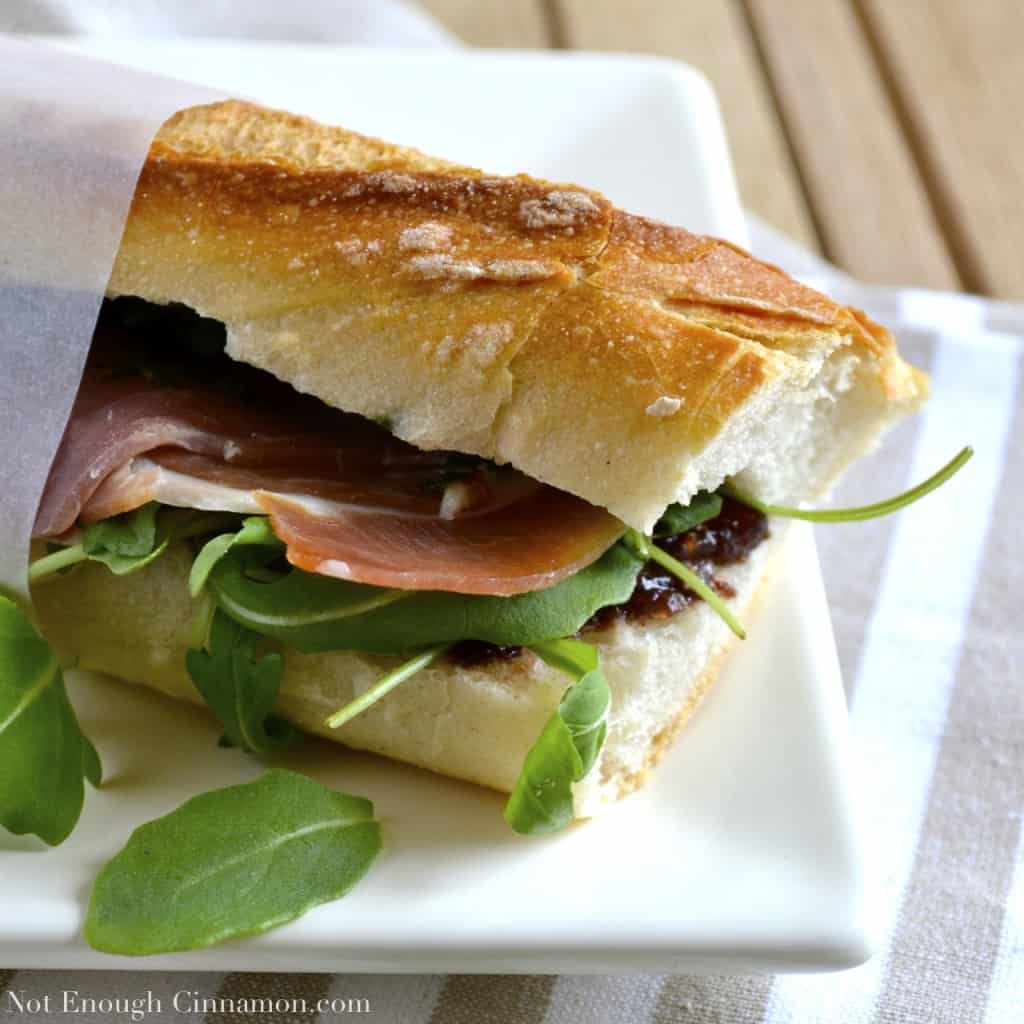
(678, 518)
(568, 747)
(92, 766)
(127, 542)
(124, 544)
(233, 862)
(241, 687)
(318, 613)
(255, 530)
(858, 513)
(43, 754)
(372, 694)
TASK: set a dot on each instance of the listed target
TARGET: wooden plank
(870, 204)
(714, 37)
(957, 71)
(508, 23)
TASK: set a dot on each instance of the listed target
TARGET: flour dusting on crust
(559, 208)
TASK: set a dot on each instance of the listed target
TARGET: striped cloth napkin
(924, 610)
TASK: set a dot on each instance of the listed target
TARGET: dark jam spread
(468, 653)
(725, 540)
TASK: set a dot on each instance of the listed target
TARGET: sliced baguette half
(628, 362)
(473, 723)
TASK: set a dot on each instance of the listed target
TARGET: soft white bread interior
(470, 723)
(628, 362)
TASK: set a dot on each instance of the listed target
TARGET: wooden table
(886, 134)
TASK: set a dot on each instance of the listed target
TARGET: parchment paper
(74, 133)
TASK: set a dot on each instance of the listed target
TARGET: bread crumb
(557, 209)
(664, 406)
(231, 450)
(428, 235)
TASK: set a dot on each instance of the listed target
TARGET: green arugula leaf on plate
(241, 687)
(233, 862)
(569, 744)
(43, 754)
(92, 766)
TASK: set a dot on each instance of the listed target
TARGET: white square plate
(739, 855)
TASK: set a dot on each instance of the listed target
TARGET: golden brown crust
(528, 322)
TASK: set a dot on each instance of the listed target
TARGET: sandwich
(478, 473)
(433, 381)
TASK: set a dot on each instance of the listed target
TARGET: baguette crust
(628, 362)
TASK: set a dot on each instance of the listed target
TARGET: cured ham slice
(118, 416)
(143, 479)
(528, 545)
(347, 498)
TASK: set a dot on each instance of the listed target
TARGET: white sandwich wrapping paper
(925, 608)
(76, 133)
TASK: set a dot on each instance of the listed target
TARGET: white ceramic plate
(739, 855)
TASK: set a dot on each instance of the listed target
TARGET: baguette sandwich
(468, 471)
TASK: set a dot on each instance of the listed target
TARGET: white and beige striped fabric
(925, 608)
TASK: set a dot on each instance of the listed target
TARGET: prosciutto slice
(346, 497)
(118, 416)
(528, 545)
